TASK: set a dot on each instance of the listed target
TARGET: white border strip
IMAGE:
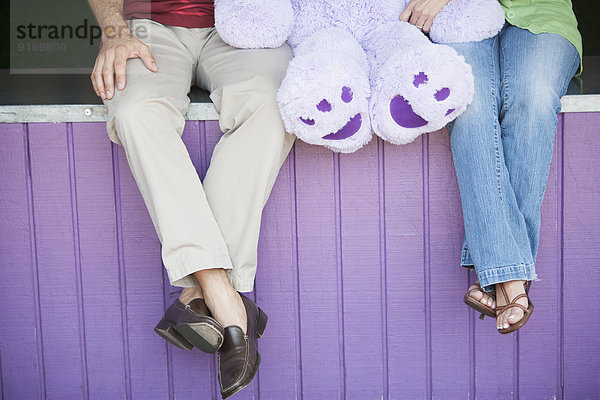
(196, 111)
(580, 103)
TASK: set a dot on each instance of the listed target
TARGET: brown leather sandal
(513, 303)
(478, 305)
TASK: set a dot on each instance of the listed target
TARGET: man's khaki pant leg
(147, 119)
(247, 159)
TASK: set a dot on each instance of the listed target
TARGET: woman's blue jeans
(502, 147)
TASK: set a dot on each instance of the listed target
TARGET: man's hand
(421, 13)
(112, 59)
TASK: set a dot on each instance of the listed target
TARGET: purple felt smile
(348, 130)
(403, 113)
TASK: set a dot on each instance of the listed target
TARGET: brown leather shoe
(191, 325)
(238, 357)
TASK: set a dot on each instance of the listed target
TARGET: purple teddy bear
(358, 69)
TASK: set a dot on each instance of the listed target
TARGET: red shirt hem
(186, 21)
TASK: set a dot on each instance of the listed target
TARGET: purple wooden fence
(358, 273)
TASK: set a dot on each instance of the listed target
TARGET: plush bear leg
(467, 21)
(323, 98)
(253, 24)
(417, 86)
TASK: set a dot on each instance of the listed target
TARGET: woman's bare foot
(514, 314)
(477, 293)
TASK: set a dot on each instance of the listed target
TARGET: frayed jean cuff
(465, 258)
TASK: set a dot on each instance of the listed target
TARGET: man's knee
(131, 118)
(251, 99)
(274, 132)
(250, 92)
(278, 61)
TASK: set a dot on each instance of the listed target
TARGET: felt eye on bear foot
(308, 121)
(325, 106)
(403, 113)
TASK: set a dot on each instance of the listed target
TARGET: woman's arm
(118, 45)
(422, 12)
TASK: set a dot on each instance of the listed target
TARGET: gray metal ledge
(196, 112)
(84, 113)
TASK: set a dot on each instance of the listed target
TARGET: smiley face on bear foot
(324, 100)
(349, 129)
(419, 91)
(328, 114)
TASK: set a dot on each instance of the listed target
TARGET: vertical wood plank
(212, 135)
(317, 273)
(21, 364)
(275, 287)
(143, 287)
(1, 378)
(188, 366)
(98, 249)
(503, 351)
(362, 281)
(449, 316)
(494, 357)
(404, 266)
(57, 269)
(537, 375)
(491, 354)
(581, 252)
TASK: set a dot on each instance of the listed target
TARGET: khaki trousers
(215, 224)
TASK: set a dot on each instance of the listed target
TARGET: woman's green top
(539, 16)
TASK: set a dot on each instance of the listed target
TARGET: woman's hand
(421, 13)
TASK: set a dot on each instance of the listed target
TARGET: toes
(500, 321)
(475, 292)
(488, 300)
(515, 316)
(504, 321)
(509, 318)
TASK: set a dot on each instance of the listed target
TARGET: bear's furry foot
(417, 86)
(323, 98)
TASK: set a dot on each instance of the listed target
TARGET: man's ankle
(189, 294)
